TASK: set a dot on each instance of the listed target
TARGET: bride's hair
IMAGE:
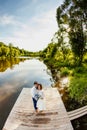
(40, 86)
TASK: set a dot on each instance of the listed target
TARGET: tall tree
(73, 14)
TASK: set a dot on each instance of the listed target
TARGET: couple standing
(38, 97)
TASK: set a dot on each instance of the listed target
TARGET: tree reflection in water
(9, 63)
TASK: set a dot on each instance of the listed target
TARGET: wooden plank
(22, 116)
(77, 113)
(75, 116)
(77, 110)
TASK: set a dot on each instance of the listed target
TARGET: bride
(40, 102)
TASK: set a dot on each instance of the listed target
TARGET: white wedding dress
(40, 102)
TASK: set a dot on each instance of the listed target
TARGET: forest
(10, 51)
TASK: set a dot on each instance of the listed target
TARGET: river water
(17, 74)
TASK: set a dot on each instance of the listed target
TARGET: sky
(28, 24)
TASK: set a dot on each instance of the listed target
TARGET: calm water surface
(18, 76)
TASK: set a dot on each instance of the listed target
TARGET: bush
(78, 89)
(46, 60)
(79, 70)
(64, 71)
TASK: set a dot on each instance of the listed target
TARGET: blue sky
(28, 24)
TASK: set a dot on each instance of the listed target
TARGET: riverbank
(76, 76)
(71, 103)
(74, 91)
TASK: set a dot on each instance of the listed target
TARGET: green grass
(78, 85)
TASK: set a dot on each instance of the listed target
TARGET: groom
(34, 93)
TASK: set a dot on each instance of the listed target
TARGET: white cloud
(10, 20)
(35, 34)
(6, 19)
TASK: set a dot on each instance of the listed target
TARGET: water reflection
(9, 63)
(14, 76)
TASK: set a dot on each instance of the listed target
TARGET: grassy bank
(77, 90)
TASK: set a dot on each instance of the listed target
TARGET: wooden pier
(22, 116)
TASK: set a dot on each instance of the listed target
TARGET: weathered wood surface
(22, 116)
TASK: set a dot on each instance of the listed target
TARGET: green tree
(10, 48)
(72, 14)
(4, 51)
